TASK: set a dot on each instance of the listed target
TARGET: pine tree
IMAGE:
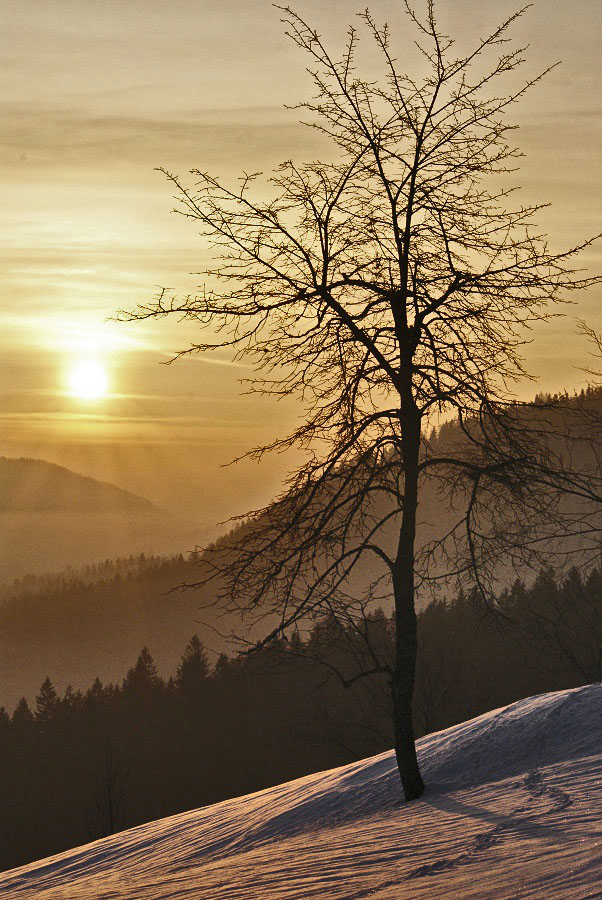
(72, 698)
(4, 720)
(70, 704)
(22, 715)
(95, 694)
(193, 668)
(47, 703)
(223, 667)
(142, 680)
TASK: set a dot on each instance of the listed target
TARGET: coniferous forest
(88, 763)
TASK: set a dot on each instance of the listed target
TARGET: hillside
(562, 433)
(93, 622)
(34, 485)
(52, 518)
(512, 809)
(83, 625)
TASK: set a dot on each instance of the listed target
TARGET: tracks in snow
(542, 800)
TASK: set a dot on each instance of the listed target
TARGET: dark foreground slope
(512, 809)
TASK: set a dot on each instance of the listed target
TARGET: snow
(513, 809)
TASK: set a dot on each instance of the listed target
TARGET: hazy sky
(95, 93)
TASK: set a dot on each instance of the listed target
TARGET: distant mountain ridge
(52, 518)
(34, 485)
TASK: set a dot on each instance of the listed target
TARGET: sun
(88, 380)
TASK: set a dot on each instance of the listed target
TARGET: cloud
(50, 139)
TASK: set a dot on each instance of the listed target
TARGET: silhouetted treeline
(126, 566)
(85, 764)
(93, 621)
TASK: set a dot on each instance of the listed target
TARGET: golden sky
(96, 94)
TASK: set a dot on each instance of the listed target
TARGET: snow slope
(513, 809)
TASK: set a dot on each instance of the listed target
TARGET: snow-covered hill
(513, 809)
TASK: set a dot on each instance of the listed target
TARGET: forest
(92, 621)
(83, 764)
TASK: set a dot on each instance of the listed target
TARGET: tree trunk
(402, 689)
(402, 682)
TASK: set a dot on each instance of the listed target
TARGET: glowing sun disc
(88, 380)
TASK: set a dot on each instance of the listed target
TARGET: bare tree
(110, 794)
(384, 289)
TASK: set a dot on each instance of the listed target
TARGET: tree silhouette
(193, 668)
(22, 716)
(142, 679)
(47, 703)
(561, 625)
(110, 793)
(386, 289)
(4, 720)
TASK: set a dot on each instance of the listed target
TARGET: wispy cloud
(48, 139)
